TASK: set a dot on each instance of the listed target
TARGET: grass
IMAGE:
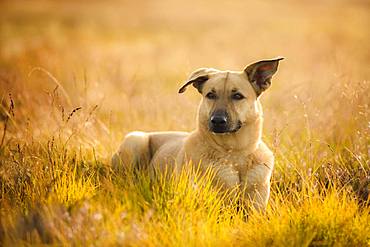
(75, 77)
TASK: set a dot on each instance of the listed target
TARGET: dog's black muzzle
(218, 122)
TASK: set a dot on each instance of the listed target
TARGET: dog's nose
(219, 120)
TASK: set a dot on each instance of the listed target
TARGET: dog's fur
(232, 146)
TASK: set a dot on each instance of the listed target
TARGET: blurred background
(93, 70)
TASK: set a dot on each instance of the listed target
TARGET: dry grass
(76, 76)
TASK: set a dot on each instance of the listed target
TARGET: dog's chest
(235, 160)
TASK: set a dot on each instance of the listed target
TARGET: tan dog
(228, 135)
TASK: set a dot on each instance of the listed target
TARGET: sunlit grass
(99, 206)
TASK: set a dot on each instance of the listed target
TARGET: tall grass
(76, 77)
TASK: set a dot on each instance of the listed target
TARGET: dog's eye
(211, 95)
(237, 96)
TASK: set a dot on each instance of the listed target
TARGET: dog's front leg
(256, 186)
(257, 195)
(228, 178)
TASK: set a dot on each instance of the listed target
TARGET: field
(76, 76)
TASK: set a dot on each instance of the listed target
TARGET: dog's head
(230, 98)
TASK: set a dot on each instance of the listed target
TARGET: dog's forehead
(228, 80)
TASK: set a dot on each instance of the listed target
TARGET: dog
(228, 134)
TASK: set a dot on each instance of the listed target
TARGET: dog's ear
(197, 79)
(197, 83)
(260, 73)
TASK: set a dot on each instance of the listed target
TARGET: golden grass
(76, 76)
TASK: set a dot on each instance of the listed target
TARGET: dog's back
(144, 148)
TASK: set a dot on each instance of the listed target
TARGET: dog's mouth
(223, 131)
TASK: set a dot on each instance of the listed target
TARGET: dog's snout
(219, 120)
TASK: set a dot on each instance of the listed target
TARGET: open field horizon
(76, 76)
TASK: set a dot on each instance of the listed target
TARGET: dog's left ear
(260, 73)
(197, 78)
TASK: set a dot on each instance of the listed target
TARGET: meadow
(76, 76)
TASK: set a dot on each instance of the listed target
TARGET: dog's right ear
(197, 83)
(197, 79)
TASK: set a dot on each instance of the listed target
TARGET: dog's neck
(246, 139)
